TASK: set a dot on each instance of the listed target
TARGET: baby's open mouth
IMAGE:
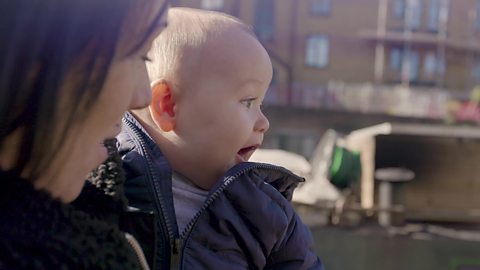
(246, 152)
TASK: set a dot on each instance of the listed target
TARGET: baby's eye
(248, 102)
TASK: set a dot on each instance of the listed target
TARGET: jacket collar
(279, 177)
(282, 179)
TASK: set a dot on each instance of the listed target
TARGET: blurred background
(376, 104)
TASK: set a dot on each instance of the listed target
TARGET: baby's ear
(161, 108)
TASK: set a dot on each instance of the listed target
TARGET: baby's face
(219, 120)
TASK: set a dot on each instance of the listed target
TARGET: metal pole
(407, 37)
(470, 50)
(384, 203)
(380, 47)
(293, 40)
(442, 38)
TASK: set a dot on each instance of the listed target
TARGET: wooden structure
(445, 160)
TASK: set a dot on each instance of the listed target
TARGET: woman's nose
(141, 98)
(142, 95)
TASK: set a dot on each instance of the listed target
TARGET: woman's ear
(161, 108)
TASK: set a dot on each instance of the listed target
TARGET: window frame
(429, 58)
(412, 54)
(433, 15)
(416, 22)
(320, 13)
(475, 73)
(398, 65)
(476, 22)
(398, 9)
(313, 63)
(264, 35)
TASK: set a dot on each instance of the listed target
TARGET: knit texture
(39, 232)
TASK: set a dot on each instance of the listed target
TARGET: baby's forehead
(215, 53)
(217, 47)
(236, 52)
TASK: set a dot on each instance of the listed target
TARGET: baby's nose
(262, 123)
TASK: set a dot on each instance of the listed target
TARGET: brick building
(359, 62)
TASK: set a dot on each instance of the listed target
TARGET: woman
(68, 71)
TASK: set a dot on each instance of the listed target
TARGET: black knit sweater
(39, 232)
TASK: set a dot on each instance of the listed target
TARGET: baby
(186, 155)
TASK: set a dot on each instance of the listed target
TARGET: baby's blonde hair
(183, 39)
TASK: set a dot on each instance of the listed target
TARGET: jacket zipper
(160, 203)
(175, 253)
(142, 261)
(182, 240)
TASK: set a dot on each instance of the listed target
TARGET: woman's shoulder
(39, 232)
(62, 253)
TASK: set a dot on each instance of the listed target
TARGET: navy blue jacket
(246, 222)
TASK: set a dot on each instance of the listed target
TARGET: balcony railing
(428, 103)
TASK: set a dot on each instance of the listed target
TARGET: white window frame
(321, 7)
(430, 62)
(398, 9)
(433, 21)
(317, 51)
(410, 65)
(476, 71)
(413, 14)
(477, 17)
(264, 25)
(396, 58)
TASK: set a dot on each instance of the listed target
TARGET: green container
(345, 168)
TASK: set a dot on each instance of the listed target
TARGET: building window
(321, 7)
(264, 19)
(317, 51)
(477, 15)
(398, 9)
(433, 15)
(476, 72)
(413, 16)
(408, 63)
(410, 66)
(441, 67)
(396, 59)
(212, 4)
(430, 65)
(410, 11)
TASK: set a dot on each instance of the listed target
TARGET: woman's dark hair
(46, 44)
